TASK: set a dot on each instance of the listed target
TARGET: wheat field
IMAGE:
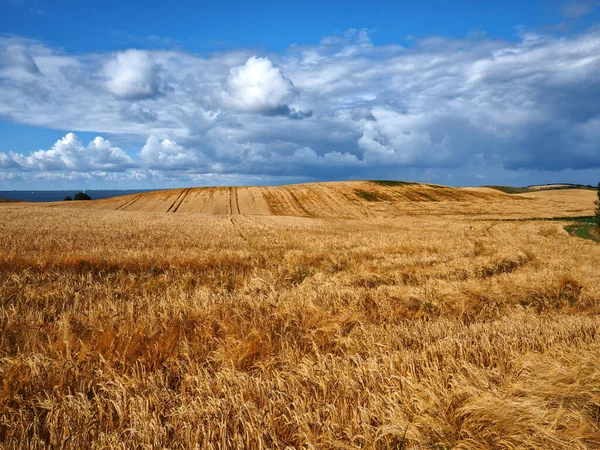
(324, 316)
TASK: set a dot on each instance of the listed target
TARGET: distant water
(53, 196)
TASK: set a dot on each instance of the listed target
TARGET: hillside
(540, 187)
(350, 199)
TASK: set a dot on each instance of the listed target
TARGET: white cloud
(132, 74)
(7, 162)
(257, 86)
(103, 155)
(16, 56)
(368, 110)
(167, 155)
(69, 154)
(137, 113)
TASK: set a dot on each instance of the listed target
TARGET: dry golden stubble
(159, 330)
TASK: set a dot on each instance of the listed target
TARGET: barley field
(323, 316)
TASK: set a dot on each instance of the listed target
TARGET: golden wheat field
(320, 316)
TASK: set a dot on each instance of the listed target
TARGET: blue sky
(157, 94)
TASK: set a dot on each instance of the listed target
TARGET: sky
(136, 95)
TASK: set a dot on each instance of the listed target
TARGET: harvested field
(352, 199)
(306, 316)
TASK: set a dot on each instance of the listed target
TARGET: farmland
(326, 315)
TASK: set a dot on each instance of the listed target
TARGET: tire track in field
(238, 229)
(237, 200)
(175, 202)
(130, 202)
(252, 231)
(273, 204)
(345, 210)
(297, 203)
(183, 196)
(234, 205)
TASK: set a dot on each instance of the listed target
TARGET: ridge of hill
(347, 199)
(325, 199)
(539, 187)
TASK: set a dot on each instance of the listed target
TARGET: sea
(53, 196)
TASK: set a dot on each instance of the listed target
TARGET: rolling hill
(350, 199)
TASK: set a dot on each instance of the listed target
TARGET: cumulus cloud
(132, 74)
(258, 87)
(459, 106)
(69, 154)
(167, 155)
(7, 162)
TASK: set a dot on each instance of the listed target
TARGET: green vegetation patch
(558, 187)
(391, 182)
(580, 219)
(510, 189)
(81, 196)
(370, 196)
(585, 231)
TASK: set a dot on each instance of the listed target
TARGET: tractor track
(183, 196)
(234, 215)
(176, 204)
(237, 201)
(238, 228)
(297, 203)
(344, 209)
(130, 202)
(234, 205)
(185, 193)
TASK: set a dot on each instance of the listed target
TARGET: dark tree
(598, 207)
(67, 198)
(82, 196)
